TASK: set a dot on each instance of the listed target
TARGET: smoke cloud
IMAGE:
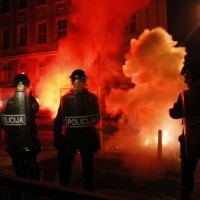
(142, 89)
(153, 63)
(94, 43)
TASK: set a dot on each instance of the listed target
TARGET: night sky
(184, 25)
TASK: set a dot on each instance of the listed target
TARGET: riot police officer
(20, 130)
(187, 107)
(79, 113)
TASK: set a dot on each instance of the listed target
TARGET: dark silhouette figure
(78, 113)
(187, 107)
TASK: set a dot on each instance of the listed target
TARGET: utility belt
(81, 121)
(13, 120)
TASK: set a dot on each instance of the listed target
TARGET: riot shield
(15, 122)
(80, 109)
(191, 122)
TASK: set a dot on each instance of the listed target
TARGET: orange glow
(92, 44)
(167, 139)
(152, 65)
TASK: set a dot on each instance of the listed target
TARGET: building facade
(30, 31)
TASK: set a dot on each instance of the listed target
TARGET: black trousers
(188, 168)
(25, 165)
(65, 167)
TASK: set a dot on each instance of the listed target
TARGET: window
(41, 68)
(41, 2)
(5, 73)
(42, 38)
(62, 28)
(5, 39)
(22, 4)
(133, 25)
(5, 6)
(22, 36)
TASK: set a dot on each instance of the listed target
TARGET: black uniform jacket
(74, 125)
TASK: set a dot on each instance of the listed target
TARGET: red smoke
(94, 43)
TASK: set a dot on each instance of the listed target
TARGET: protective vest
(74, 125)
(191, 119)
(80, 110)
(18, 123)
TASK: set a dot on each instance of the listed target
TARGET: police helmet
(78, 74)
(21, 78)
(191, 71)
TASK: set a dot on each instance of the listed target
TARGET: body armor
(80, 109)
(79, 112)
(18, 123)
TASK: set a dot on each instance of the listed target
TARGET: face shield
(79, 85)
(21, 87)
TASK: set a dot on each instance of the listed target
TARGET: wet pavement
(111, 177)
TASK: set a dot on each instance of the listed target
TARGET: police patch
(13, 120)
(81, 121)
